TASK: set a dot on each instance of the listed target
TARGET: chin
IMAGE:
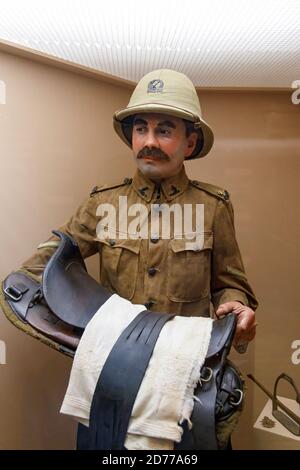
(148, 169)
(152, 174)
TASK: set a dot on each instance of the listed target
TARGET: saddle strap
(119, 382)
(204, 412)
(203, 433)
(202, 436)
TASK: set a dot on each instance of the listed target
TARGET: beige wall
(57, 142)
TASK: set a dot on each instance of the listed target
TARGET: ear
(191, 144)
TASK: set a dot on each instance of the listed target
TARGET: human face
(160, 145)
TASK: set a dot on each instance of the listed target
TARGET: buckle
(207, 376)
(13, 293)
(239, 397)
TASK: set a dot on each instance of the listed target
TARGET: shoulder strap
(105, 187)
(211, 189)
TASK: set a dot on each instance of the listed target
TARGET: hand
(246, 323)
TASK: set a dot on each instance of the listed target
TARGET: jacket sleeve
(81, 226)
(228, 279)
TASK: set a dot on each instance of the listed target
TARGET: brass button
(143, 191)
(174, 190)
(226, 195)
(154, 239)
(156, 207)
(95, 188)
(152, 271)
(112, 242)
(149, 304)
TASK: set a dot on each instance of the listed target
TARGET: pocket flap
(202, 241)
(130, 244)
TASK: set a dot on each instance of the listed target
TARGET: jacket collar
(169, 189)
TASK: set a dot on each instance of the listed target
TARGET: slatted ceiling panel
(217, 43)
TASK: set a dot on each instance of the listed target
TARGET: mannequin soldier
(164, 127)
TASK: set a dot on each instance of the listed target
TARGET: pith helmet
(167, 92)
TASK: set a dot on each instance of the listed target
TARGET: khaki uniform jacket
(167, 275)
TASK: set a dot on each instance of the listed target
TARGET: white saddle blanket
(165, 398)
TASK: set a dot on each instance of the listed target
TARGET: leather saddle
(60, 308)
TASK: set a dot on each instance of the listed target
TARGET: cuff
(229, 295)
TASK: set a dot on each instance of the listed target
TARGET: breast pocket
(119, 265)
(189, 269)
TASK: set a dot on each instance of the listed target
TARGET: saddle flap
(222, 334)
(24, 295)
(70, 292)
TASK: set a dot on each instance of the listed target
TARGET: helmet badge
(155, 86)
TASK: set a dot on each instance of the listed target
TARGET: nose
(151, 139)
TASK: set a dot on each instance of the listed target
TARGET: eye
(140, 129)
(165, 131)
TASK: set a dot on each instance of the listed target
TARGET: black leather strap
(20, 291)
(203, 433)
(119, 382)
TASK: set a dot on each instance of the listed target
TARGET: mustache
(154, 153)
